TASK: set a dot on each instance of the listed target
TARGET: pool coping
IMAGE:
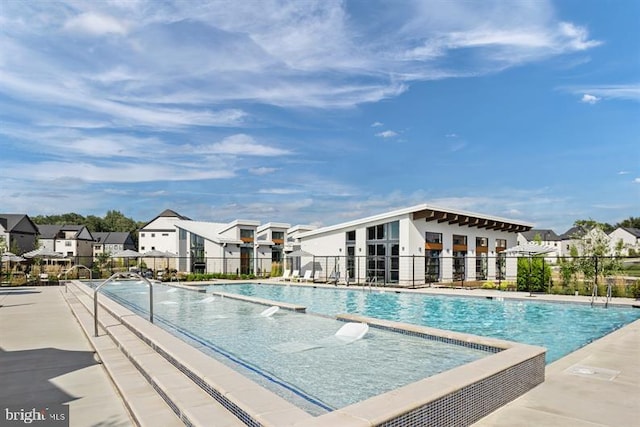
(472, 390)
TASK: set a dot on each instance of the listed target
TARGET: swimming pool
(560, 327)
(293, 354)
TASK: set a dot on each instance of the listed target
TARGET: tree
(631, 222)
(116, 221)
(590, 224)
(533, 274)
(94, 224)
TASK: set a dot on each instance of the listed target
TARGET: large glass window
(433, 237)
(432, 266)
(459, 240)
(383, 252)
(196, 247)
(246, 234)
(459, 261)
(277, 235)
(481, 266)
(501, 266)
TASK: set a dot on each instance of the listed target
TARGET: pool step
(156, 392)
(145, 406)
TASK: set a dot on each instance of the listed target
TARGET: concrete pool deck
(45, 357)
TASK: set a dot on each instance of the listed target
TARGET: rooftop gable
(18, 223)
(168, 213)
(546, 235)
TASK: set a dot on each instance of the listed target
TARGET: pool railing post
(95, 298)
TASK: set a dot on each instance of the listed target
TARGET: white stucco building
(421, 243)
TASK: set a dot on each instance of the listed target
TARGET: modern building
(17, 233)
(422, 243)
(160, 234)
(218, 247)
(270, 241)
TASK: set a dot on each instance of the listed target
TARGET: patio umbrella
(158, 254)
(10, 257)
(43, 252)
(127, 254)
(530, 249)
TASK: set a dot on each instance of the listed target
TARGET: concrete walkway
(45, 359)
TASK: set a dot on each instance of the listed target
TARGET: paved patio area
(46, 359)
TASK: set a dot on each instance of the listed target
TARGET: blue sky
(321, 112)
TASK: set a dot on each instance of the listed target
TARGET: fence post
(413, 270)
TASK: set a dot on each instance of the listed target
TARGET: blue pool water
(561, 328)
(295, 355)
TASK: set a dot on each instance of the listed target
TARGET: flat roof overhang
(469, 220)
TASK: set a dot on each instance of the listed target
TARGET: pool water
(560, 327)
(296, 355)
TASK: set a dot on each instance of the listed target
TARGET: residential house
(545, 237)
(112, 242)
(630, 238)
(17, 233)
(75, 242)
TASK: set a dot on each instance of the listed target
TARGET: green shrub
(489, 285)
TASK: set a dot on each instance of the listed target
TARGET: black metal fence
(506, 272)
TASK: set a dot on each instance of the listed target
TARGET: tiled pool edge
(457, 397)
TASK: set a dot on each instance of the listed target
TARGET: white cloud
(387, 134)
(96, 24)
(262, 171)
(623, 173)
(626, 92)
(278, 191)
(636, 181)
(589, 99)
(242, 144)
(376, 124)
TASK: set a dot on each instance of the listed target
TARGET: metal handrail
(76, 266)
(95, 297)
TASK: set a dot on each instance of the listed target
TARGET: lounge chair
(307, 276)
(334, 278)
(295, 276)
(285, 275)
(316, 276)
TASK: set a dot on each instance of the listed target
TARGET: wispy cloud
(589, 99)
(376, 124)
(241, 144)
(637, 180)
(594, 93)
(262, 171)
(387, 134)
(95, 24)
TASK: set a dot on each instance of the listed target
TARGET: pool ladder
(594, 295)
(370, 281)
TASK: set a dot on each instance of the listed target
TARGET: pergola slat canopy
(469, 221)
